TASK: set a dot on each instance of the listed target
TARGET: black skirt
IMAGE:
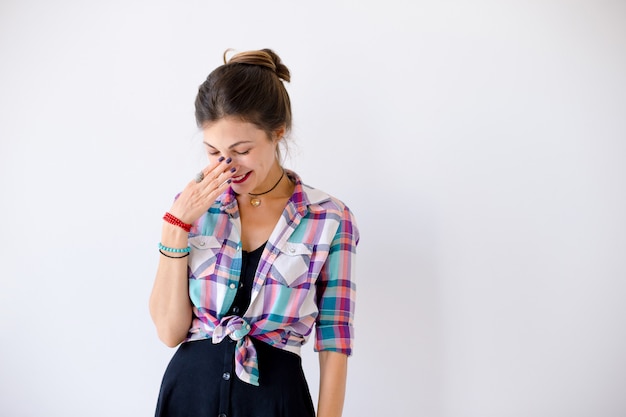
(200, 381)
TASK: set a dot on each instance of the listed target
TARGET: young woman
(251, 262)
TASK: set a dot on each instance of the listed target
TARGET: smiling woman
(253, 261)
(253, 154)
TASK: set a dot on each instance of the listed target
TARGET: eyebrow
(241, 142)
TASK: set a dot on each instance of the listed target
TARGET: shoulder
(321, 207)
(319, 200)
(315, 199)
(333, 213)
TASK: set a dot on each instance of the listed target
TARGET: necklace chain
(271, 189)
(256, 202)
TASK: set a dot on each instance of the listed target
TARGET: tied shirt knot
(246, 361)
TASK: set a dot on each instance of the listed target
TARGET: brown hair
(249, 86)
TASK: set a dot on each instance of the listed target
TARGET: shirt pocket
(203, 255)
(291, 266)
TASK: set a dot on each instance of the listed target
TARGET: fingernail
(229, 160)
(221, 159)
(229, 180)
(233, 169)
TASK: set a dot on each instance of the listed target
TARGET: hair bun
(265, 58)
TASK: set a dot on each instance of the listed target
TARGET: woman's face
(252, 152)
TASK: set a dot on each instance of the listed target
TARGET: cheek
(240, 163)
(237, 160)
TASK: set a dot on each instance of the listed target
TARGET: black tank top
(249, 264)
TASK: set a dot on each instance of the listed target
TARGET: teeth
(239, 177)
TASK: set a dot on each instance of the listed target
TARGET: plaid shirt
(305, 277)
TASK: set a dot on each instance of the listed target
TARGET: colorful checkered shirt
(305, 278)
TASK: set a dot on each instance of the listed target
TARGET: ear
(279, 133)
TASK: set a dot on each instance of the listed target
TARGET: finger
(218, 176)
(219, 181)
(210, 171)
(214, 189)
(215, 169)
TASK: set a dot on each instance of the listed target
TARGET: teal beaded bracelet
(174, 250)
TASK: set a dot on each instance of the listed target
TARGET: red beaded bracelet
(176, 222)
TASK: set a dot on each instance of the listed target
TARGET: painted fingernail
(233, 169)
(221, 159)
(229, 180)
(229, 160)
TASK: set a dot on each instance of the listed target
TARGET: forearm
(170, 306)
(333, 375)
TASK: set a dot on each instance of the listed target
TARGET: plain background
(481, 145)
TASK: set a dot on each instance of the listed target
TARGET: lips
(241, 178)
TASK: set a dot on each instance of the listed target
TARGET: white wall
(481, 145)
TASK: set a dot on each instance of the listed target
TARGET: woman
(251, 261)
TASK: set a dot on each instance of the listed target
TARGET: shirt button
(235, 309)
(292, 250)
(226, 376)
(202, 243)
(232, 286)
(247, 327)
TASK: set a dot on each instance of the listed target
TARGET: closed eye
(214, 152)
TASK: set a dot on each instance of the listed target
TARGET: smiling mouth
(241, 178)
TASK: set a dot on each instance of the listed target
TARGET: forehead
(229, 131)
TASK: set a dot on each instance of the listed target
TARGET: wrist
(175, 221)
(173, 236)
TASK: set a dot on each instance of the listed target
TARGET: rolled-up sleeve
(336, 290)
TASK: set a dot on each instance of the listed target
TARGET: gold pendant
(255, 202)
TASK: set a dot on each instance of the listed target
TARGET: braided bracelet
(173, 257)
(171, 219)
(174, 250)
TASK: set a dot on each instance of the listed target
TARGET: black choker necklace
(256, 202)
